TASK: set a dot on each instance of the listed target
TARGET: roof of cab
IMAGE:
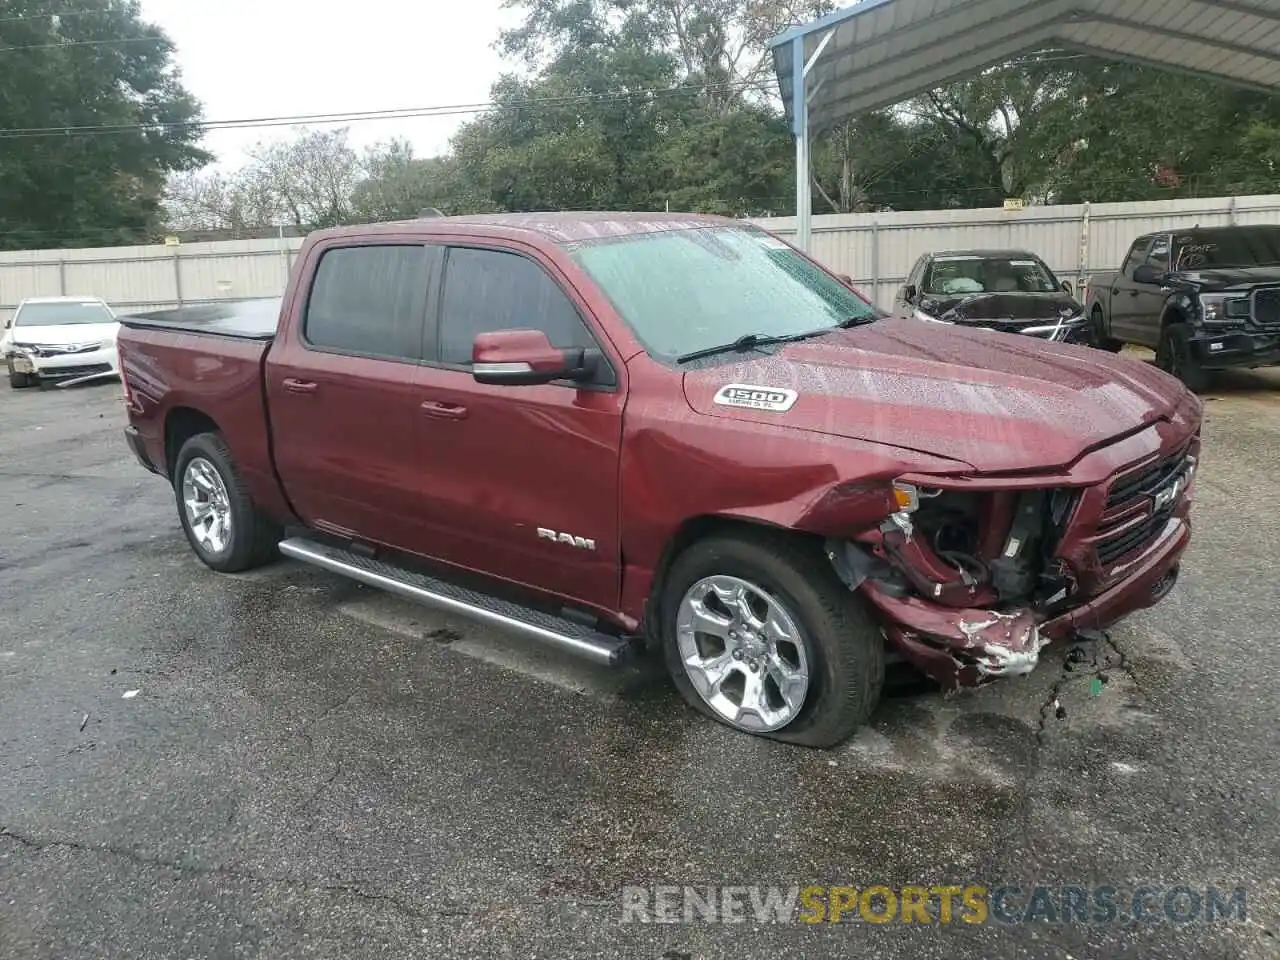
(558, 227)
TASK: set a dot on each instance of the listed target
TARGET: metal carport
(880, 52)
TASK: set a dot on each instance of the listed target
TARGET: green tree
(68, 64)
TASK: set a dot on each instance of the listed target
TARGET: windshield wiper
(747, 341)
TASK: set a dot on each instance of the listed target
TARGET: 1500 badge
(775, 399)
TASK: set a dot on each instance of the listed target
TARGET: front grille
(1113, 549)
(1132, 497)
(1145, 481)
(63, 350)
(1266, 310)
(80, 370)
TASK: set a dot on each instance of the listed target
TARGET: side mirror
(524, 358)
(1067, 287)
(1145, 273)
(907, 293)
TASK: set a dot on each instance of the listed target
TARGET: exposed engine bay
(987, 556)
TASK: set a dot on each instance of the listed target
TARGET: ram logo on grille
(774, 399)
(1163, 498)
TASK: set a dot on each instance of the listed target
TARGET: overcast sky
(257, 58)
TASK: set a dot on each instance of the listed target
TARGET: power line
(115, 41)
(404, 113)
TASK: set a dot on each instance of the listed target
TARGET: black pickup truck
(1204, 299)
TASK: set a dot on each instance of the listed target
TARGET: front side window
(1158, 256)
(490, 290)
(62, 313)
(370, 300)
(1137, 255)
(682, 291)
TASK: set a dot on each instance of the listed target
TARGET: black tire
(18, 380)
(1097, 333)
(842, 641)
(253, 538)
(1174, 356)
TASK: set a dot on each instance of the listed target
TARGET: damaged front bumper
(969, 647)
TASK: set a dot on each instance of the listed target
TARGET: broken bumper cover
(967, 648)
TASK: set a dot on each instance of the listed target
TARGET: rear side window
(370, 300)
(487, 290)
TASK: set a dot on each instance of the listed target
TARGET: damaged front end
(970, 584)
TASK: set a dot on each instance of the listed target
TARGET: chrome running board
(559, 632)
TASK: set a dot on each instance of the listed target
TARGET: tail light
(124, 381)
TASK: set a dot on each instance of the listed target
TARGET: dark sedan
(1008, 290)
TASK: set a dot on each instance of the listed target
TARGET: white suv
(64, 339)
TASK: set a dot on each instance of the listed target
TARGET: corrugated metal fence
(876, 249)
(133, 279)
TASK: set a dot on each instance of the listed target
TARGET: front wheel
(1174, 356)
(18, 380)
(225, 529)
(759, 634)
(1098, 335)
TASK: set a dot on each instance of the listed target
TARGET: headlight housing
(1223, 307)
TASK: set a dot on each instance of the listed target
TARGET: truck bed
(242, 319)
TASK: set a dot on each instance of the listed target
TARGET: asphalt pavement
(284, 764)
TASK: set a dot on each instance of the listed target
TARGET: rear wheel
(1098, 333)
(1174, 356)
(226, 531)
(759, 634)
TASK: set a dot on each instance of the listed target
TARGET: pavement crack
(1121, 662)
(192, 870)
(1052, 703)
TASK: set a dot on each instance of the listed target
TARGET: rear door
(343, 393)
(522, 482)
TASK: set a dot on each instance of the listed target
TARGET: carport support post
(800, 130)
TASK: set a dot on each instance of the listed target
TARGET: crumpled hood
(65, 334)
(1013, 308)
(996, 401)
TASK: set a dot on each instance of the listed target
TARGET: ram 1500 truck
(1204, 299)
(603, 430)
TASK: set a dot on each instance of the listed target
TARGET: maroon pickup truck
(602, 430)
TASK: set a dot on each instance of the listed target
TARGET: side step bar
(565, 634)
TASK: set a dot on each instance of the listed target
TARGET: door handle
(1133, 293)
(299, 386)
(444, 411)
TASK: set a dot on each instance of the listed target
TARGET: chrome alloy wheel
(204, 496)
(743, 652)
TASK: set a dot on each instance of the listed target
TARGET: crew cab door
(1149, 299)
(521, 481)
(343, 391)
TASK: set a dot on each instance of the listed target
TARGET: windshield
(1243, 248)
(687, 290)
(58, 314)
(953, 276)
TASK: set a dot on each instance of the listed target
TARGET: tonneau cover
(245, 319)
